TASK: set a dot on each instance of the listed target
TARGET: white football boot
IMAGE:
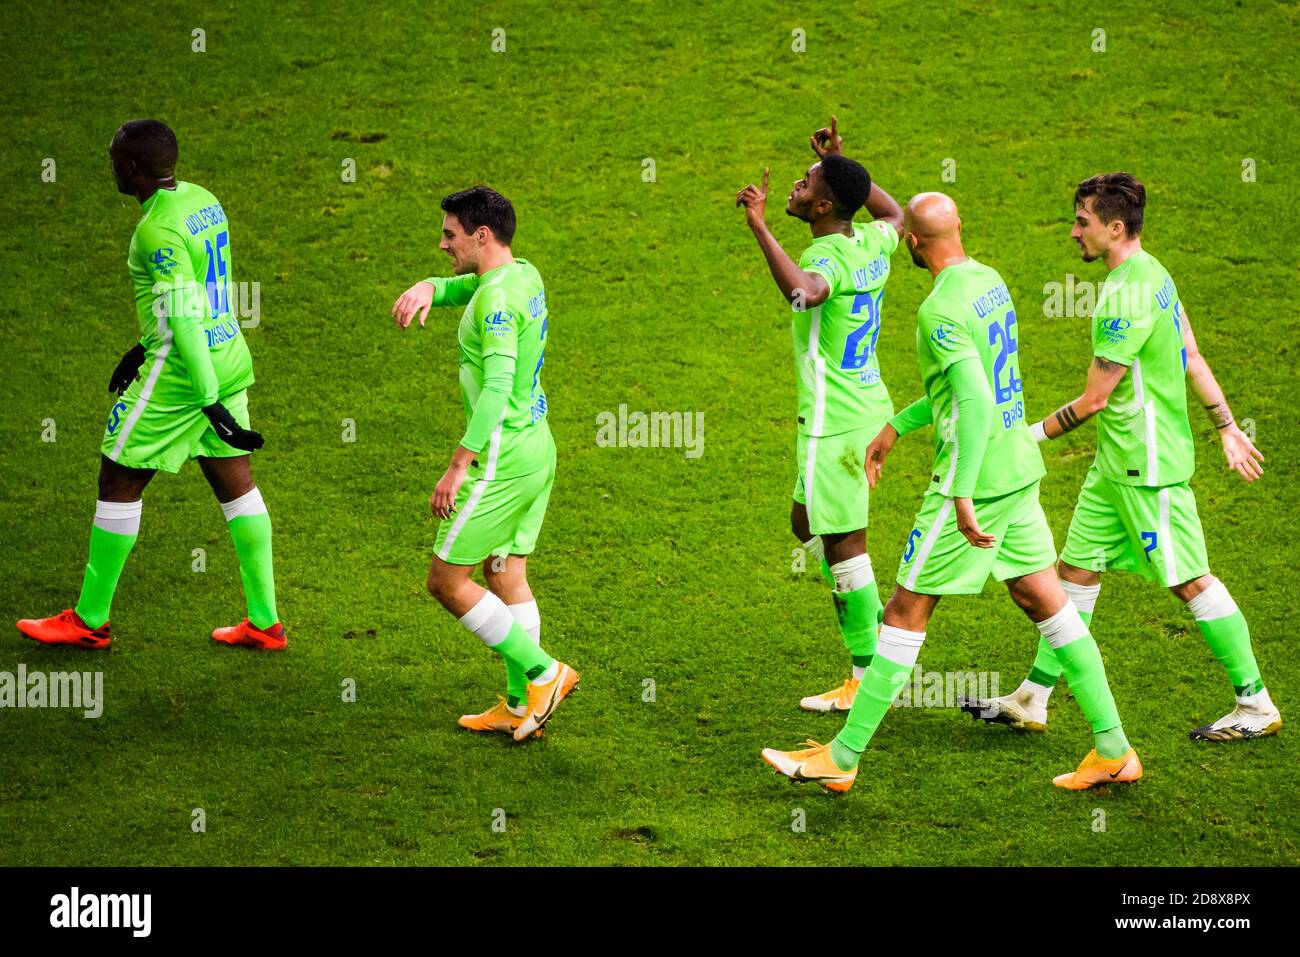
(1025, 709)
(1254, 717)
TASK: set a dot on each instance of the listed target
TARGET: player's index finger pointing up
(764, 180)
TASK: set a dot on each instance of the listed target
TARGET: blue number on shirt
(539, 403)
(1150, 539)
(852, 358)
(911, 544)
(1001, 333)
(218, 291)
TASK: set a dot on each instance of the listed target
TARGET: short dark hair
(482, 206)
(1115, 196)
(152, 144)
(848, 182)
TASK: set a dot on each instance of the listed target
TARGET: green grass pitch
(652, 565)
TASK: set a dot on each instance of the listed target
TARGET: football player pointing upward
(493, 496)
(835, 290)
(1136, 511)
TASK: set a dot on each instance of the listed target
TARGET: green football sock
(826, 573)
(252, 538)
(525, 613)
(1046, 670)
(859, 613)
(880, 685)
(108, 552)
(1086, 675)
(1229, 639)
(516, 685)
(519, 649)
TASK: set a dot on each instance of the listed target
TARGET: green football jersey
(179, 262)
(507, 316)
(1143, 435)
(969, 313)
(839, 382)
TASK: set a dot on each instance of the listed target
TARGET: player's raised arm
(811, 288)
(434, 291)
(1238, 450)
(828, 142)
(885, 208)
(1103, 376)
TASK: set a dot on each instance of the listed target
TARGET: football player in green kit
(980, 516)
(835, 290)
(492, 497)
(182, 395)
(1136, 511)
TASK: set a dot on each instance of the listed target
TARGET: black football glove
(230, 431)
(128, 369)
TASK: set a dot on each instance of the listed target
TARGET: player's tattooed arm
(1238, 449)
(1103, 376)
(801, 288)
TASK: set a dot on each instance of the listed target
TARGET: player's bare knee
(1077, 575)
(1189, 590)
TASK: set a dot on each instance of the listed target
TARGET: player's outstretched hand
(754, 200)
(230, 431)
(443, 500)
(878, 451)
(827, 140)
(128, 369)
(1246, 460)
(414, 302)
(969, 526)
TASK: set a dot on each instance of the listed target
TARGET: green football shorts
(833, 469)
(496, 516)
(1155, 532)
(938, 560)
(142, 434)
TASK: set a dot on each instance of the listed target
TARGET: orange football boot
(543, 700)
(839, 698)
(813, 762)
(496, 718)
(247, 634)
(66, 628)
(1095, 770)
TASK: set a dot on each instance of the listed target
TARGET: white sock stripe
(529, 617)
(119, 509)
(853, 573)
(250, 503)
(898, 645)
(1083, 596)
(1063, 627)
(489, 620)
(1213, 603)
(120, 518)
